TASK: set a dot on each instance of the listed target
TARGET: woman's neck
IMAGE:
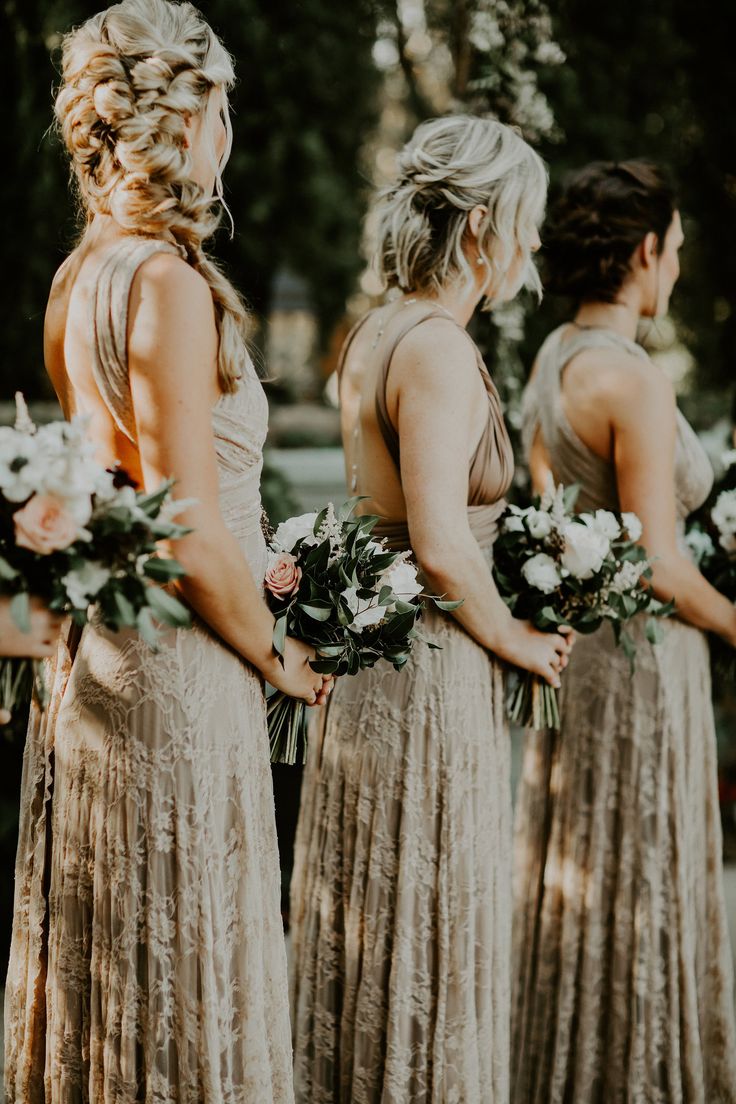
(452, 299)
(621, 317)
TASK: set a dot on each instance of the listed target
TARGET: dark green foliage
(653, 80)
(306, 98)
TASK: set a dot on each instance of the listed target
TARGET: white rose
(402, 578)
(84, 583)
(541, 572)
(126, 499)
(632, 525)
(603, 521)
(585, 550)
(724, 513)
(539, 524)
(104, 488)
(513, 524)
(294, 529)
(727, 542)
(22, 466)
(700, 544)
(365, 614)
(728, 459)
(627, 577)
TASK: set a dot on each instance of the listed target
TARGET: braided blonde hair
(132, 76)
(450, 166)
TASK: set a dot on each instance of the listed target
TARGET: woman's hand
(41, 639)
(544, 654)
(296, 678)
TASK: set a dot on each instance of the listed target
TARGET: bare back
(371, 470)
(69, 346)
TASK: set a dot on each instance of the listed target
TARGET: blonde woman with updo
(401, 904)
(148, 960)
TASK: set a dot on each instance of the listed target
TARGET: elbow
(441, 562)
(199, 552)
(667, 578)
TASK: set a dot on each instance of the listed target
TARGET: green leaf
(279, 635)
(6, 571)
(124, 610)
(146, 627)
(317, 613)
(654, 631)
(628, 647)
(163, 570)
(324, 666)
(167, 608)
(20, 609)
(447, 605)
(570, 496)
(152, 503)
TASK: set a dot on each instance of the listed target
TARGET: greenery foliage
(306, 95)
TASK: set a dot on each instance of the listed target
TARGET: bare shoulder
(635, 390)
(438, 355)
(167, 281)
(170, 308)
(623, 381)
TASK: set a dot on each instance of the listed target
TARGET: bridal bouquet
(712, 540)
(556, 568)
(331, 584)
(76, 534)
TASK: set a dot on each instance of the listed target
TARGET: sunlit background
(327, 92)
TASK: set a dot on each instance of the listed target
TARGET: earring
(480, 260)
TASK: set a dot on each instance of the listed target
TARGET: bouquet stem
(287, 728)
(534, 703)
(20, 681)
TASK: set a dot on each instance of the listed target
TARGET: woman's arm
(172, 349)
(438, 398)
(39, 641)
(644, 426)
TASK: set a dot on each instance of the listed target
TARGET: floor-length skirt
(148, 961)
(623, 980)
(401, 904)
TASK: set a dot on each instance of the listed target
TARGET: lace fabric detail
(401, 919)
(622, 971)
(401, 911)
(148, 961)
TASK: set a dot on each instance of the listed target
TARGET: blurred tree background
(327, 92)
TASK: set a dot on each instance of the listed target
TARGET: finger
(310, 698)
(552, 677)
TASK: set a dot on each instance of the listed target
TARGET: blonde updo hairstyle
(132, 76)
(450, 166)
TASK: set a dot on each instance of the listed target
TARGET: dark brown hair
(603, 213)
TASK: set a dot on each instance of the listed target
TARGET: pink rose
(283, 575)
(44, 525)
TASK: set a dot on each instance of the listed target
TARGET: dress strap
(352, 333)
(389, 433)
(543, 396)
(109, 325)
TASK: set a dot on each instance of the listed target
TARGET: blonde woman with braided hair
(401, 897)
(148, 960)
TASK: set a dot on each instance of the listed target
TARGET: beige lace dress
(148, 960)
(401, 904)
(622, 968)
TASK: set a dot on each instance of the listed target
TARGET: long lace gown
(148, 961)
(622, 966)
(401, 904)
